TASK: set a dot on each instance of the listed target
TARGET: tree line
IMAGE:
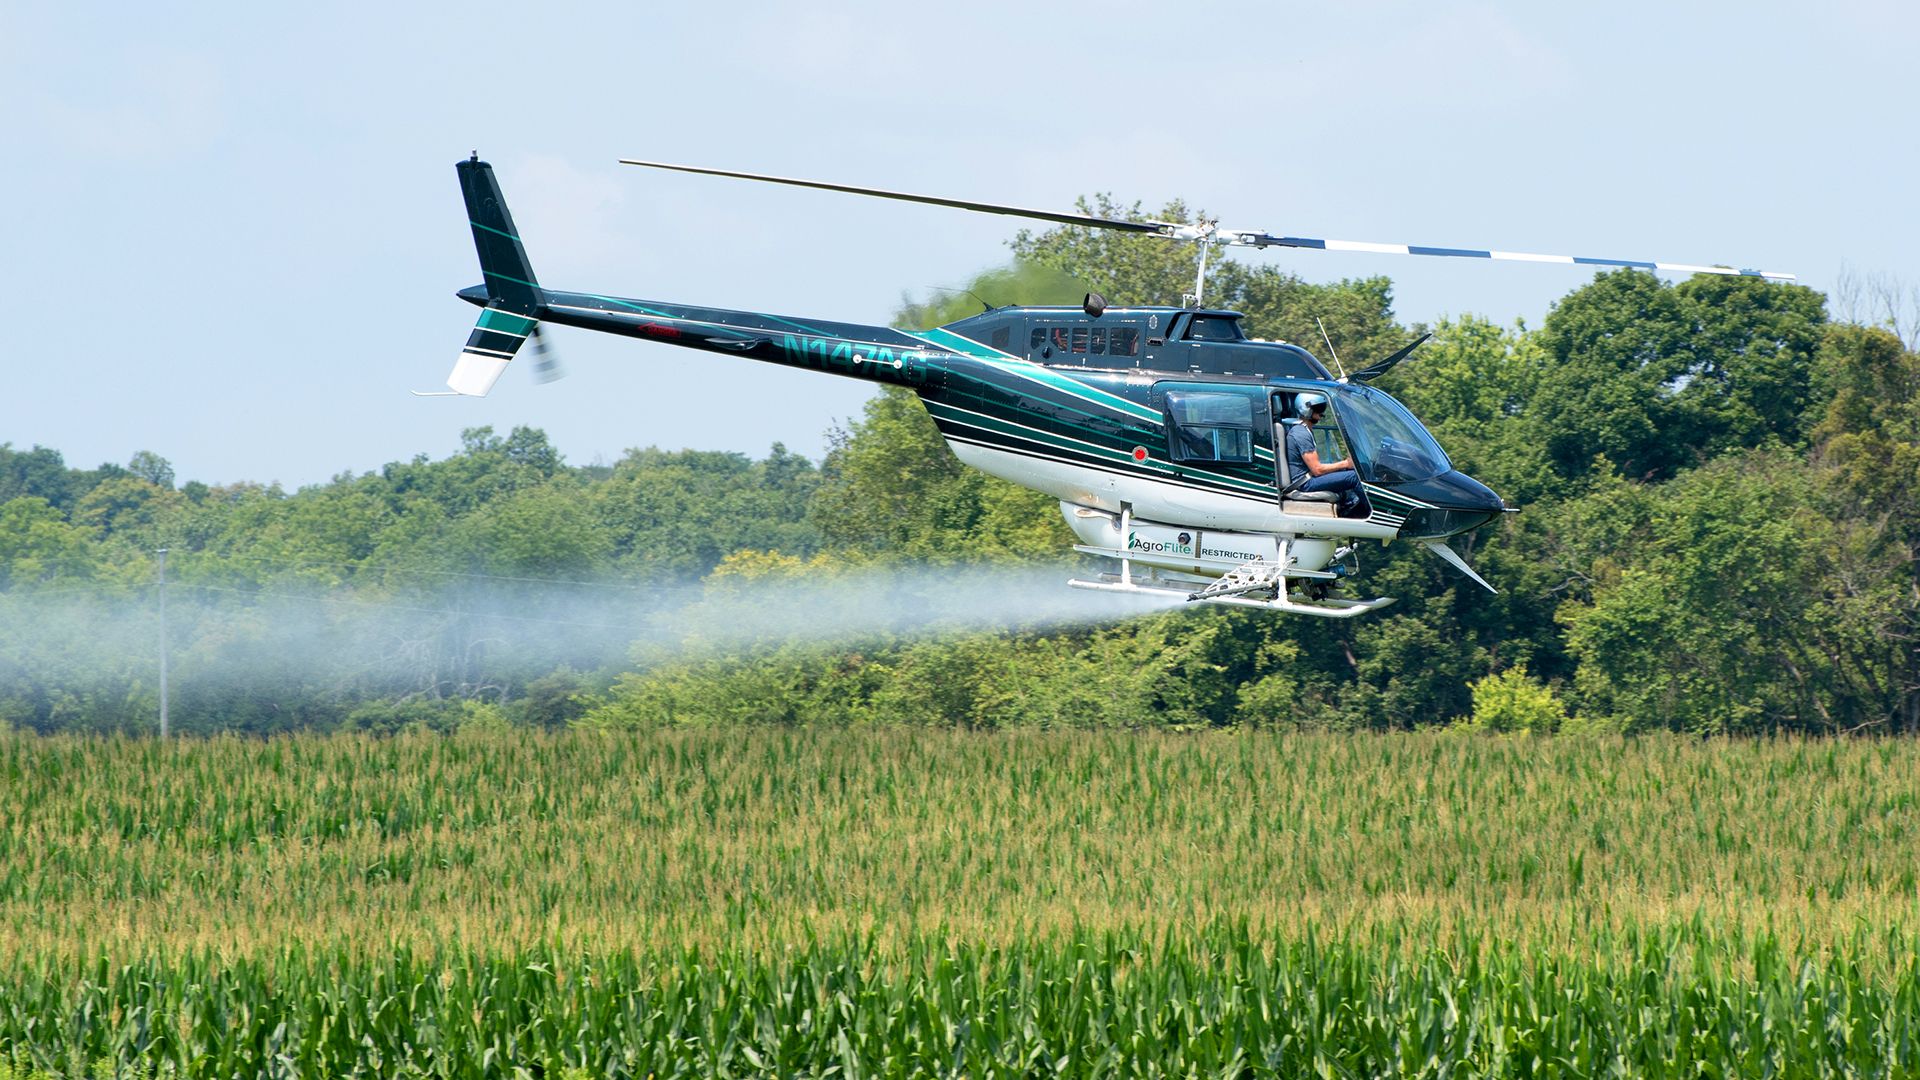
(1717, 535)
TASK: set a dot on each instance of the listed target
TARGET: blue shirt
(1299, 444)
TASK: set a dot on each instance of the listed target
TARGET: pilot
(1303, 458)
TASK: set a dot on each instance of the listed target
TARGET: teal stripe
(494, 231)
(1003, 427)
(508, 277)
(1027, 369)
(1153, 430)
(505, 321)
(961, 344)
(1007, 427)
(725, 326)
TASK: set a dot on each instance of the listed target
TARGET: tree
(39, 472)
(1128, 269)
(151, 467)
(1471, 386)
(126, 505)
(676, 514)
(1653, 378)
(39, 547)
(1868, 454)
(1019, 282)
(1719, 621)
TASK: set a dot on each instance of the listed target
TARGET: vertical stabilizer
(503, 259)
(513, 294)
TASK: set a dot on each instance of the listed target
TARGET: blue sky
(233, 232)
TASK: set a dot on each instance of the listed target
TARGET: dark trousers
(1353, 497)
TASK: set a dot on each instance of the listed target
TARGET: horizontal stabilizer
(494, 341)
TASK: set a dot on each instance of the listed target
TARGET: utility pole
(163, 642)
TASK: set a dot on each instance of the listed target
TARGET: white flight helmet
(1305, 403)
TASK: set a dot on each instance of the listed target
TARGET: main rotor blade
(1206, 232)
(1262, 240)
(1158, 228)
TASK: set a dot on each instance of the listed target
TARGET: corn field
(895, 902)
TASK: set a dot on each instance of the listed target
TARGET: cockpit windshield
(1389, 445)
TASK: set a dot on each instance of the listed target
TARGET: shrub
(1513, 701)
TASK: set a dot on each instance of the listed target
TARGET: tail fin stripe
(509, 277)
(506, 322)
(513, 300)
(494, 231)
(494, 341)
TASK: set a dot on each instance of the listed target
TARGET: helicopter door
(1328, 441)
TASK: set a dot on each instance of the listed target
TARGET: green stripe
(957, 343)
(725, 326)
(1004, 427)
(1007, 427)
(1152, 429)
(506, 321)
(508, 277)
(493, 230)
(1027, 369)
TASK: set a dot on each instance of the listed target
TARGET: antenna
(1330, 349)
(969, 292)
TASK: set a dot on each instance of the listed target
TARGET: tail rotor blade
(546, 362)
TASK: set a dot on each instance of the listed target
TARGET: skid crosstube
(1326, 609)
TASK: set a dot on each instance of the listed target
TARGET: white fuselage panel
(1157, 500)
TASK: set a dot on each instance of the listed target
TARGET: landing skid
(1329, 608)
(1254, 585)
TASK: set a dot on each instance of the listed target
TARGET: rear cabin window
(1210, 427)
(1084, 341)
(1213, 328)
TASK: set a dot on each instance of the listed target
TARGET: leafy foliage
(1718, 536)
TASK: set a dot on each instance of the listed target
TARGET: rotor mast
(1208, 236)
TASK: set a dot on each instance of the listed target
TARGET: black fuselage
(1078, 404)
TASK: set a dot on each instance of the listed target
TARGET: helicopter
(1161, 430)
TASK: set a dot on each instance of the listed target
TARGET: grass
(1160, 903)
